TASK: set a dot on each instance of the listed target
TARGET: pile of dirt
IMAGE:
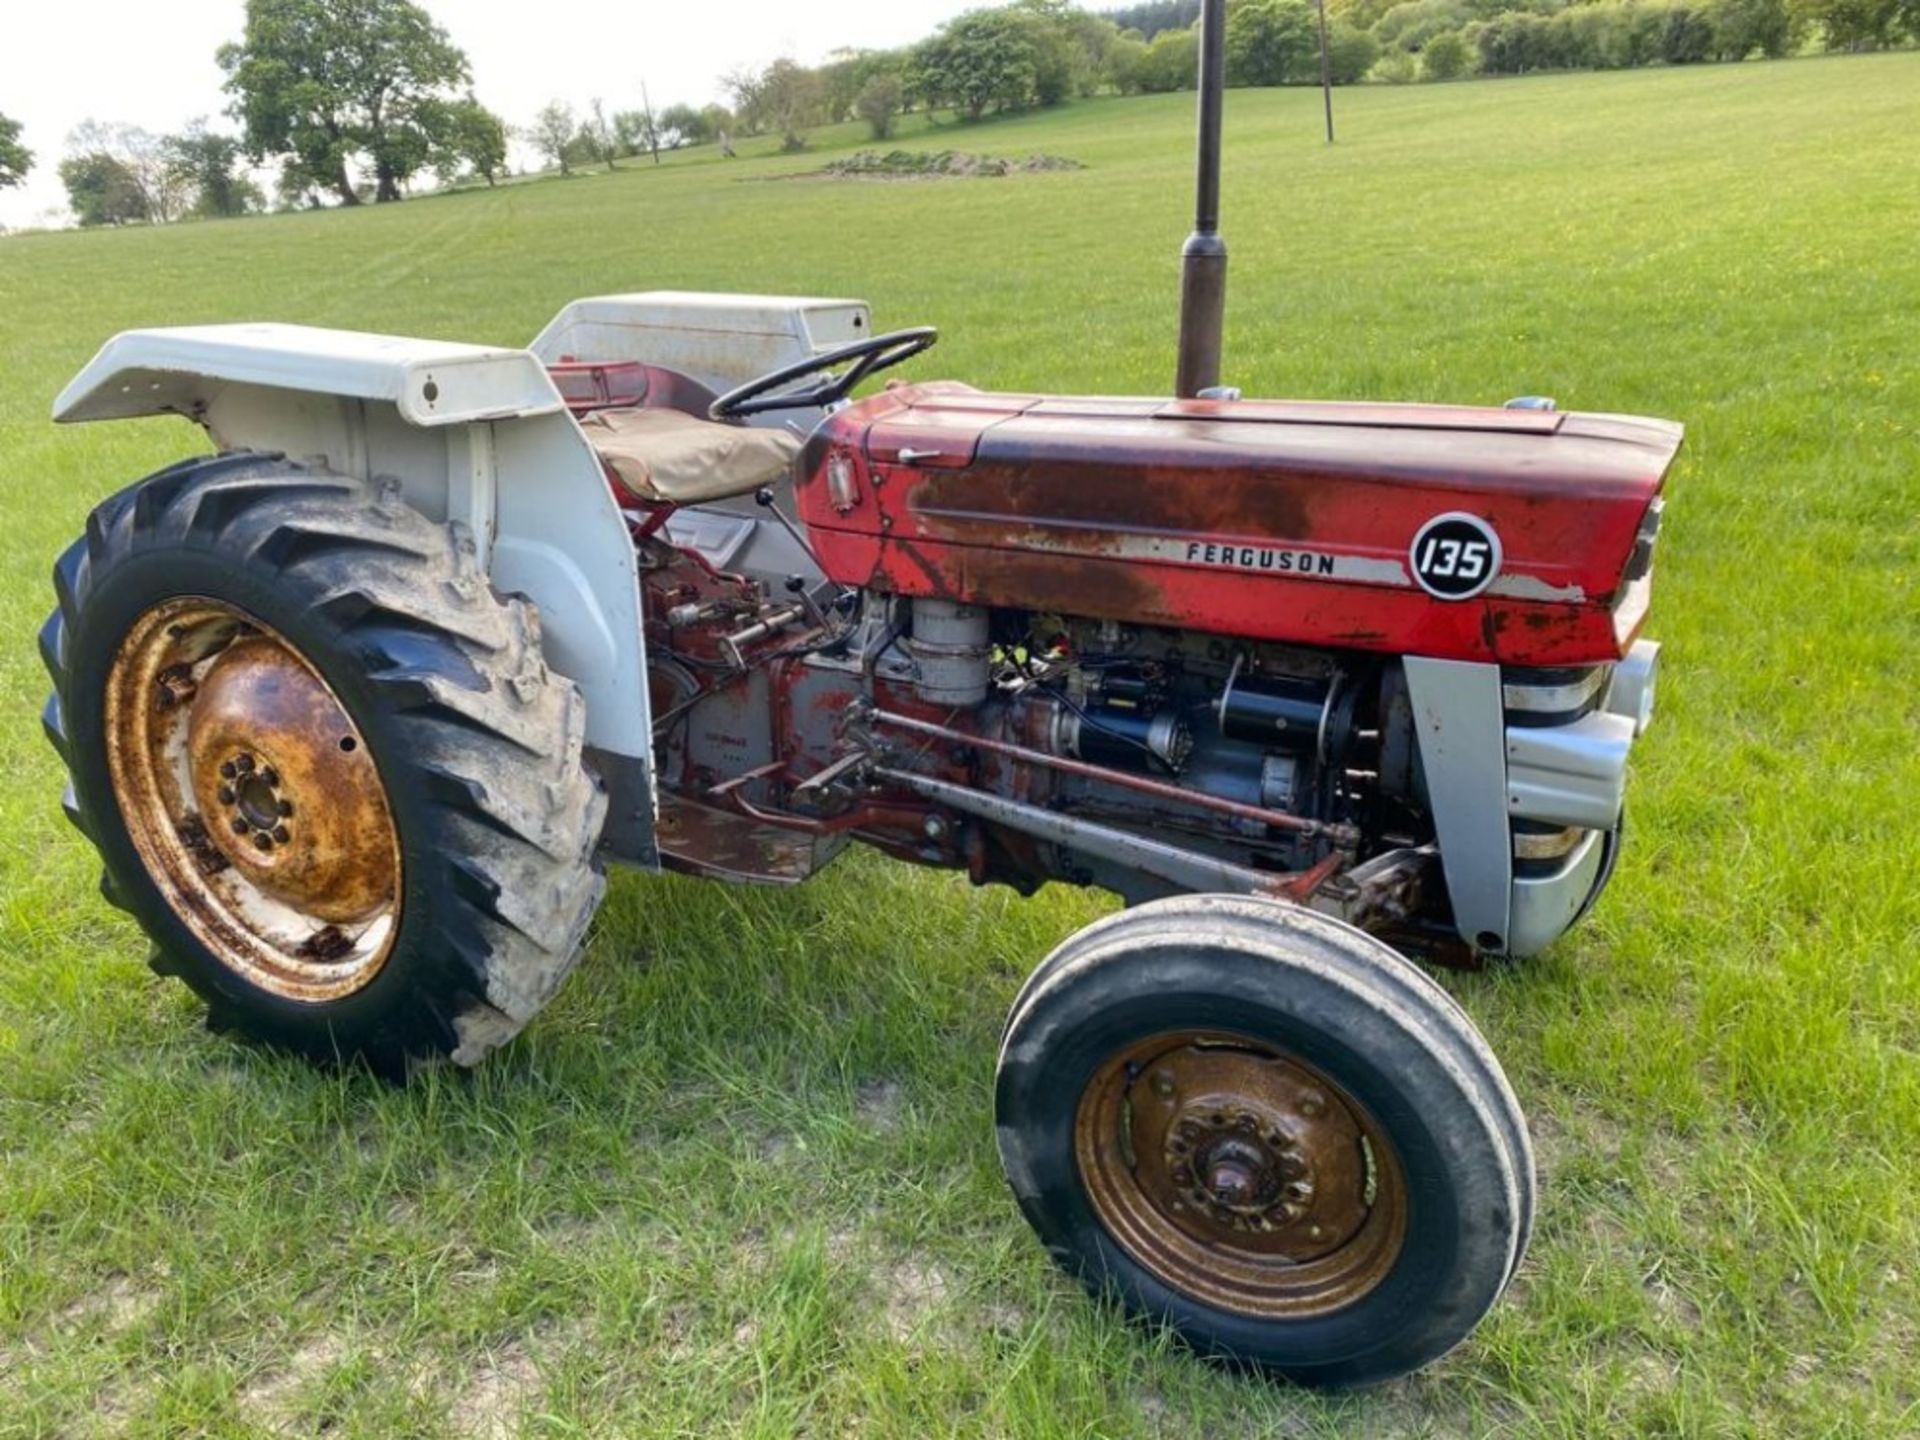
(936, 165)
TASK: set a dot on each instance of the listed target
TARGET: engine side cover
(1470, 534)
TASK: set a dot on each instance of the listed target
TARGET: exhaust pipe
(1203, 266)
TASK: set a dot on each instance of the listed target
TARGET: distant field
(742, 1177)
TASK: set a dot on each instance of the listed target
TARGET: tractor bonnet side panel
(1294, 522)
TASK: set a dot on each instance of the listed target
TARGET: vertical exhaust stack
(1203, 275)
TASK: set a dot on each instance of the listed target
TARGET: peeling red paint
(1285, 521)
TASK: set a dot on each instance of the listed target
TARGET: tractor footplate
(697, 839)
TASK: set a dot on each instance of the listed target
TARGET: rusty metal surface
(282, 796)
(698, 839)
(252, 800)
(1239, 1176)
(1286, 521)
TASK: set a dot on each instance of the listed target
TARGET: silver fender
(471, 434)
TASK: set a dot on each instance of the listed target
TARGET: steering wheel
(869, 357)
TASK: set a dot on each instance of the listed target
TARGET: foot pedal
(697, 839)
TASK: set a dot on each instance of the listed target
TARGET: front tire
(324, 764)
(1265, 1129)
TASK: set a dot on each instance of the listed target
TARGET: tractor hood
(1291, 521)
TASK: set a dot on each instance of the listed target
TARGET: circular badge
(1455, 556)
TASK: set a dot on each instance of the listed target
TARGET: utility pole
(1326, 71)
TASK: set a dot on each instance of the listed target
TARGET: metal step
(697, 839)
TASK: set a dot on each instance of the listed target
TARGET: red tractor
(357, 708)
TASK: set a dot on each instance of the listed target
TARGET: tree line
(352, 100)
(1035, 53)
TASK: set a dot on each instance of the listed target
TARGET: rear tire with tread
(477, 743)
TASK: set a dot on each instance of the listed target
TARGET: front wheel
(1267, 1130)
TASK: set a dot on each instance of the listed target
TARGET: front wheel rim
(1240, 1176)
(252, 800)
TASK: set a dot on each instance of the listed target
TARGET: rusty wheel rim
(1240, 1176)
(253, 800)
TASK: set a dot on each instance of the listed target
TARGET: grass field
(741, 1177)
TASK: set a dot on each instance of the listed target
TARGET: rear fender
(473, 435)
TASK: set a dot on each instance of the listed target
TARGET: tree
(1447, 56)
(597, 138)
(327, 82)
(15, 159)
(983, 58)
(684, 125)
(1172, 62)
(1060, 63)
(789, 96)
(1154, 16)
(638, 131)
(1351, 52)
(1515, 43)
(632, 132)
(1741, 27)
(475, 137)
(140, 159)
(1595, 36)
(745, 86)
(1091, 39)
(102, 190)
(841, 80)
(1271, 42)
(1125, 69)
(1411, 24)
(1863, 24)
(879, 102)
(297, 188)
(555, 133)
(210, 167)
(1688, 36)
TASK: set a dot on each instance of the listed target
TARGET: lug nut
(226, 795)
(281, 834)
(270, 775)
(228, 770)
(262, 840)
(240, 826)
(244, 764)
(286, 808)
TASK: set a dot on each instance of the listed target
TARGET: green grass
(741, 1177)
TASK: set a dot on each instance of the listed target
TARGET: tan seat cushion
(676, 458)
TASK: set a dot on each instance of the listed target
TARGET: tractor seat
(672, 458)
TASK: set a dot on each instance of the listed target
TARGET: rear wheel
(324, 764)
(1267, 1130)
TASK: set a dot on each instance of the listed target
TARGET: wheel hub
(253, 800)
(1249, 1151)
(1238, 1165)
(1239, 1174)
(290, 794)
